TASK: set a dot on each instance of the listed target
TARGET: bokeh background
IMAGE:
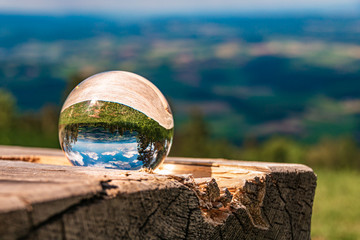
(263, 80)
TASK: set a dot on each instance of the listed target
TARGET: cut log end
(183, 199)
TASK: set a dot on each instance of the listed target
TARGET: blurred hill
(276, 88)
(250, 77)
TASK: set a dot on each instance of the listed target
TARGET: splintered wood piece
(184, 199)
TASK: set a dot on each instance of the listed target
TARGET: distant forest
(254, 88)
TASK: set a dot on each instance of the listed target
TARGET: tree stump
(184, 199)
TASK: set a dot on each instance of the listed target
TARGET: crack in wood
(20, 158)
(59, 215)
(221, 234)
(239, 221)
(63, 230)
(188, 223)
(267, 219)
(148, 217)
(171, 202)
(286, 210)
(106, 185)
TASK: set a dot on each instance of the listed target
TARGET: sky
(175, 7)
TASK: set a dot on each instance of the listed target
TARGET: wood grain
(184, 199)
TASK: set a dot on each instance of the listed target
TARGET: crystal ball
(116, 120)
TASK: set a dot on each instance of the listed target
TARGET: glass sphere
(116, 120)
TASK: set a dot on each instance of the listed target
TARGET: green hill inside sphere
(112, 135)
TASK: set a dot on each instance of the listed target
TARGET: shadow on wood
(184, 199)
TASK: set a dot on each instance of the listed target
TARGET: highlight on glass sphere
(116, 120)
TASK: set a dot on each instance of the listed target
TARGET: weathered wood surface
(184, 199)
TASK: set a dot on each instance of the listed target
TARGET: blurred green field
(336, 213)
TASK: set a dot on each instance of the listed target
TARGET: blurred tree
(275, 149)
(193, 140)
(49, 115)
(334, 153)
(7, 109)
(281, 149)
(250, 149)
(7, 115)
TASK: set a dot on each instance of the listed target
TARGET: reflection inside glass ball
(116, 120)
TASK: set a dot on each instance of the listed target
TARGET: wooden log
(185, 199)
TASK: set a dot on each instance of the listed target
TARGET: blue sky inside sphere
(118, 154)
